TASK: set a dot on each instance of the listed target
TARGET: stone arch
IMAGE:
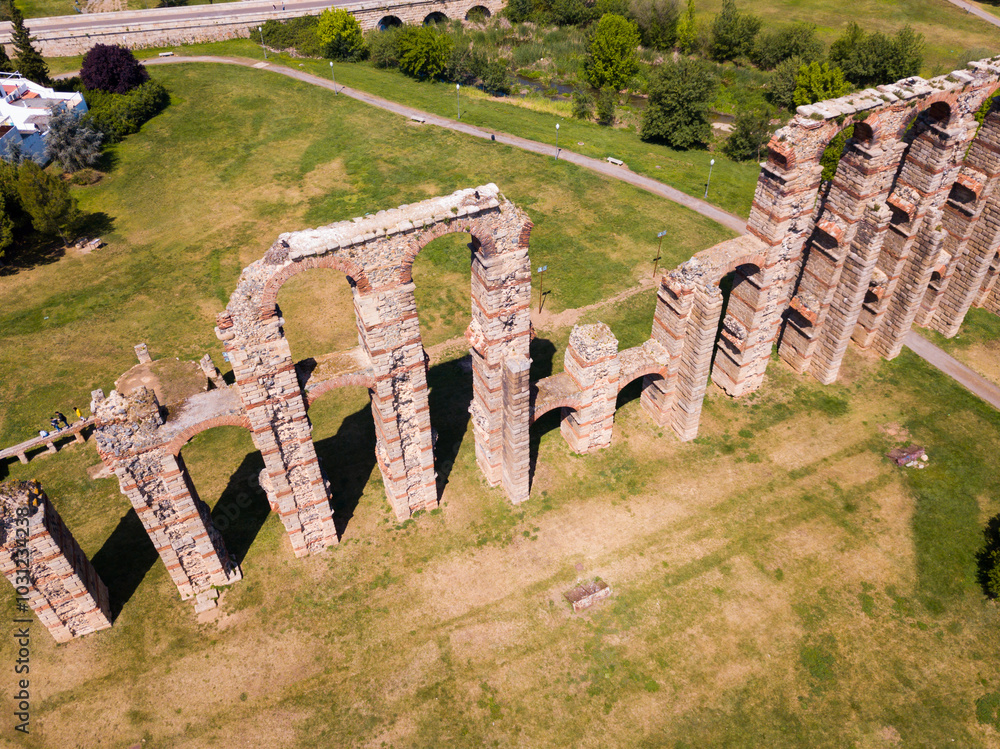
(269, 294)
(482, 241)
(388, 22)
(477, 10)
(181, 439)
(435, 17)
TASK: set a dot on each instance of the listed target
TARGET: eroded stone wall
(45, 564)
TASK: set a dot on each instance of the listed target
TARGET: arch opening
(222, 468)
(388, 22)
(434, 18)
(477, 14)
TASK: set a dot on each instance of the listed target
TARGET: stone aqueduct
(908, 231)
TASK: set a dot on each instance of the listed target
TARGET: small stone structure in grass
(585, 595)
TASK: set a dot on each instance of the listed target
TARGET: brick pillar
(696, 361)
(390, 334)
(862, 178)
(673, 308)
(927, 174)
(905, 302)
(516, 428)
(592, 361)
(781, 217)
(855, 280)
(276, 409)
(157, 484)
(500, 328)
(972, 217)
(44, 563)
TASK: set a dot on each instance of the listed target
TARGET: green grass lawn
(777, 582)
(732, 185)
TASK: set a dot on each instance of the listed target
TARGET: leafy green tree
(989, 558)
(27, 59)
(72, 141)
(6, 66)
(816, 82)
(679, 97)
(657, 21)
(424, 51)
(607, 101)
(733, 32)
(47, 200)
(687, 29)
(784, 81)
(571, 12)
(583, 105)
(874, 59)
(6, 228)
(340, 34)
(466, 64)
(613, 56)
(774, 47)
(751, 131)
(519, 11)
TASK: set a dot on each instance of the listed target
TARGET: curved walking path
(729, 220)
(978, 386)
(970, 8)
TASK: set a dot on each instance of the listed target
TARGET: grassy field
(949, 31)
(776, 583)
(977, 344)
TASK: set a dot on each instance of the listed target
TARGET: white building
(25, 110)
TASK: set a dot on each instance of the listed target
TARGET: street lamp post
(333, 77)
(656, 260)
(541, 294)
(261, 30)
(557, 141)
(710, 165)
(458, 99)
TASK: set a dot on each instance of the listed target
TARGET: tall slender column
(673, 308)
(516, 428)
(696, 361)
(592, 361)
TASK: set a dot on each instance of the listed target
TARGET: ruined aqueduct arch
(908, 231)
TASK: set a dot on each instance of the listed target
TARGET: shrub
(424, 51)
(111, 68)
(989, 558)
(295, 33)
(612, 59)
(583, 105)
(607, 100)
(340, 35)
(496, 77)
(733, 32)
(118, 115)
(466, 64)
(657, 21)
(816, 82)
(774, 47)
(383, 47)
(679, 97)
(687, 29)
(571, 12)
(751, 131)
(873, 59)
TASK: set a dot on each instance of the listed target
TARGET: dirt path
(730, 221)
(978, 386)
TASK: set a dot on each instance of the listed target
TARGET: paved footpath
(970, 8)
(916, 343)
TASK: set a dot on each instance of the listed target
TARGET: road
(978, 386)
(93, 22)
